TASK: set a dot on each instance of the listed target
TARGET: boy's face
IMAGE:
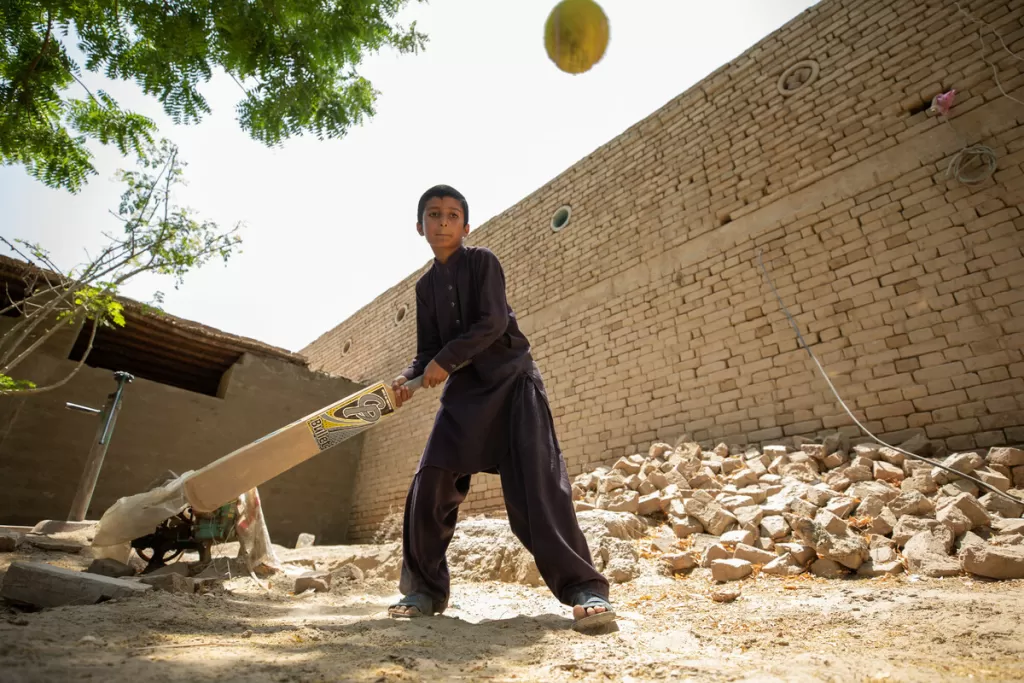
(443, 223)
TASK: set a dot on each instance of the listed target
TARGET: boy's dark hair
(440, 192)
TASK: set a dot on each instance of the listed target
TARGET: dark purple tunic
(462, 314)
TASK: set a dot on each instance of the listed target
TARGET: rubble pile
(827, 508)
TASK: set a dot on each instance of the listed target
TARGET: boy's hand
(402, 393)
(434, 375)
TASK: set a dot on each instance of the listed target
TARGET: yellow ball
(576, 35)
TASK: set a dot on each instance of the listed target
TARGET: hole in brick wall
(920, 109)
(346, 347)
(724, 220)
(400, 315)
(561, 218)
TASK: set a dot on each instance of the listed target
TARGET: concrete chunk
(753, 555)
(911, 503)
(774, 527)
(993, 562)
(730, 570)
(784, 565)
(171, 583)
(678, 562)
(907, 527)
(739, 536)
(317, 581)
(9, 541)
(927, 555)
(801, 554)
(687, 526)
(885, 471)
(827, 569)
(649, 504)
(305, 541)
(1007, 457)
(38, 584)
(715, 552)
(110, 567)
(970, 506)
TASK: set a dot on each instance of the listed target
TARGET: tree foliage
(158, 236)
(294, 61)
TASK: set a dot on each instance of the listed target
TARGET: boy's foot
(590, 610)
(415, 605)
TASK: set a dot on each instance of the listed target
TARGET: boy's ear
(465, 229)
(419, 229)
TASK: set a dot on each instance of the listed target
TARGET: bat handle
(417, 383)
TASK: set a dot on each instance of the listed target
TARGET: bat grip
(417, 383)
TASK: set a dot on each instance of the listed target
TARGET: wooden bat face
(351, 416)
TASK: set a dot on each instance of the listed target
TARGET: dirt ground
(900, 628)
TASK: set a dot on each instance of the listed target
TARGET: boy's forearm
(478, 338)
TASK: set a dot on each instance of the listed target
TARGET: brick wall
(649, 315)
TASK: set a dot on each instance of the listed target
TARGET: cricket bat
(227, 478)
(245, 468)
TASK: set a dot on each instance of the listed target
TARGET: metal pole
(108, 416)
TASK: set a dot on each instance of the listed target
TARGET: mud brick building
(198, 394)
(648, 312)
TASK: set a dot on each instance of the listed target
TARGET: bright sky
(328, 226)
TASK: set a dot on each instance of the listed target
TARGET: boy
(494, 418)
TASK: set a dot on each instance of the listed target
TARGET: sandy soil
(803, 629)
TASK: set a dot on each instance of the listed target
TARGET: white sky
(328, 226)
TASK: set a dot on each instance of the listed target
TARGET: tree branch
(57, 385)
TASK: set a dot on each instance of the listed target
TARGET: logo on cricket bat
(350, 417)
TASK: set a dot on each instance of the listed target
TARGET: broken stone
(749, 516)
(911, 503)
(858, 473)
(954, 518)
(715, 552)
(739, 536)
(774, 527)
(765, 543)
(801, 554)
(627, 466)
(1008, 526)
(883, 523)
(9, 541)
(753, 555)
(920, 481)
(872, 568)
(1001, 506)
(658, 450)
(819, 495)
(994, 479)
(834, 460)
(649, 504)
(885, 471)
(993, 562)
(658, 479)
(724, 595)
(801, 471)
(678, 562)
(715, 519)
(730, 570)
(646, 487)
(926, 555)
(964, 463)
(870, 507)
(41, 585)
(1007, 457)
(827, 569)
(348, 572)
(316, 581)
(814, 450)
(743, 479)
(831, 523)
(876, 489)
(633, 482)
(891, 456)
(970, 506)
(611, 482)
(841, 506)
(684, 527)
(1018, 477)
(735, 501)
(624, 500)
(110, 567)
(849, 550)
(803, 508)
(907, 527)
(583, 506)
(784, 565)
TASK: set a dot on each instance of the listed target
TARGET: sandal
(586, 599)
(422, 605)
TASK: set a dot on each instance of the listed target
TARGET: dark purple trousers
(538, 499)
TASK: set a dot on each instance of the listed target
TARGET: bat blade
(255, 463)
